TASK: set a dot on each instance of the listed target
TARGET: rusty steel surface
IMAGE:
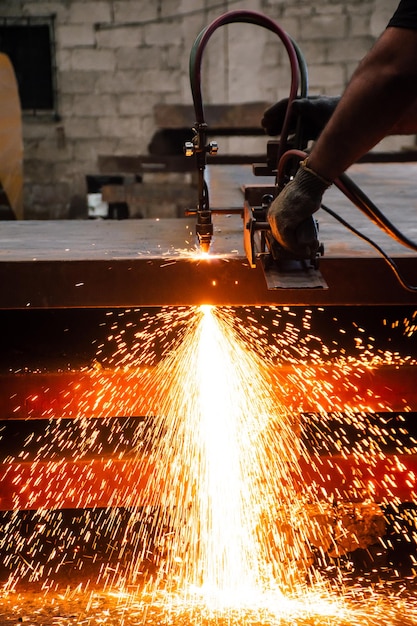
(154, 263)
(229, 116)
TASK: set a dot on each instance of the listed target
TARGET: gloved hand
(314, 111)
(290, 214)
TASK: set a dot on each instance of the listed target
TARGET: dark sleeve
(405, 16)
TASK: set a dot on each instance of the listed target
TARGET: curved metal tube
(289, 154)
(204, 228)
(248, 17)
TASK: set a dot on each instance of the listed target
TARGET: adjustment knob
(188, 148)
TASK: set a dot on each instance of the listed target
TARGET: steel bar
(155, 263)
(108, 393)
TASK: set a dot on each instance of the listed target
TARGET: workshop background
(102, 66)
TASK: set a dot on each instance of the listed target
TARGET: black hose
(362, 202)
(387, 258)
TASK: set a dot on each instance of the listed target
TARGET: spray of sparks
(227, 513)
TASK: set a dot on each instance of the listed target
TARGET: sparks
(237, 499)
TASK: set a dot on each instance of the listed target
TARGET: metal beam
(155, 263)
(107, 393)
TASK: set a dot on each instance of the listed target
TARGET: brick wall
(116, 59)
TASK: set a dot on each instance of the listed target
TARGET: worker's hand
(290, 214)
(314, 113)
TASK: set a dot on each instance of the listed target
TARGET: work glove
(290, 214)
(314, 112)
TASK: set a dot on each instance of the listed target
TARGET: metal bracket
(281, 269)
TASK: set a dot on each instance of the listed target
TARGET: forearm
(378, 101)
(407, 124)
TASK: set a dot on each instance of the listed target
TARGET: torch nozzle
(205, 246)
(204, 229)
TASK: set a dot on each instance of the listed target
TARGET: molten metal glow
(239, 521)
(234, 512)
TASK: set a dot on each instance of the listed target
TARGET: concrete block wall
(116, 59)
